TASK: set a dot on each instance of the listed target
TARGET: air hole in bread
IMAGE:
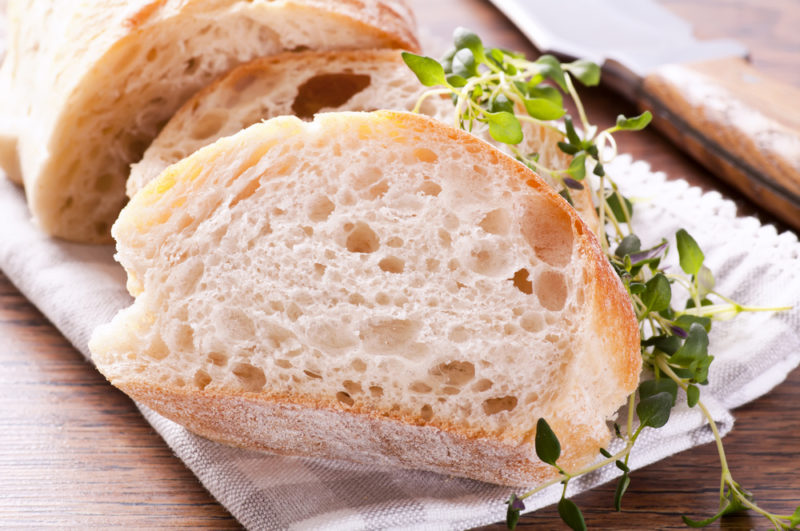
(345, 398)
(532, 322)
(313, 375)
(551, 288)
(453, 264)
(430, 188)
(521, 281)
(152, 53)
(426, 412)
(394, 241)
(319, 208)
(356, 299)
(359, 365)
(250, 377)
(362, 239)
(218, 359)
(389, 336)
(383, 299)
(455, 372)
(497, 222)
(293, 312)
(353, 388)
(548, 229)
(378, 191)
(392, 264)
(284, 364)
(488, 258)
(420, 387)
(201, 379)
(208, 124)
(482, 385)
(493, 406)
(319, 270)
(366, 177)
(327, 90)
(445, 238)
(450, 390)
(190, 66)
(247, 192)
(376, 391)
(425, 155)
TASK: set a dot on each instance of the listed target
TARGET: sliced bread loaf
(303, 84)
(93, 82)
(374, 287)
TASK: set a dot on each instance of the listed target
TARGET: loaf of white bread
(86, 86)
(375, 287)
(303, 84)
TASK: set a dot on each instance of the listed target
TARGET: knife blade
(704, 95)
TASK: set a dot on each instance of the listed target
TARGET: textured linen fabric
(79, 287)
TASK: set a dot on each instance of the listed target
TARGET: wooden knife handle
(740, 124)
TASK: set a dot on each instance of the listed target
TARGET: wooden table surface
(75, 452)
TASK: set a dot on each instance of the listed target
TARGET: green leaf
(548, 449)
(599, 170)
(605, 453)
(637, 123)
(464, 64)
(668, 344)
(686, 321)
(569, 149)
(572, 135)
(622, 486)
(464, 38)
(794, 521)
(504, 127)
(689, 253)
(692, 395)
(587, 72)
(657, 294)
(501, 103)
(550, 94)
(705, 281)
(428, 70)
(550, 68)
(496, 55)
(654, 410)
(543, 109)
(614, 204)
(732, 506)
(571, 515)
(650, 388)
(577, 168)
(629, 245)
(456, 81)
(694, 349)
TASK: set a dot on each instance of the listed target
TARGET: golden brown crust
(308, 428)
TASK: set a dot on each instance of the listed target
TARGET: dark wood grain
(75, 453)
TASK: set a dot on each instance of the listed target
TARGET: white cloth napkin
(79, 287)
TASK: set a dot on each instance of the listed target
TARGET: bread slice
(303, 84)
(375, 287)
(93, 82)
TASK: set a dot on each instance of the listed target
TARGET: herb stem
(587, 127)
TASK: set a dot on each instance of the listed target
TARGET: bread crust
(607, 357)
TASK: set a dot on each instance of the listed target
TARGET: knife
(704, 95)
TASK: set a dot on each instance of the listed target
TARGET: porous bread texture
(303, 84)
(374, 287)
(93, 82)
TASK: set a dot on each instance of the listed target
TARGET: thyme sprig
(499, 91)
